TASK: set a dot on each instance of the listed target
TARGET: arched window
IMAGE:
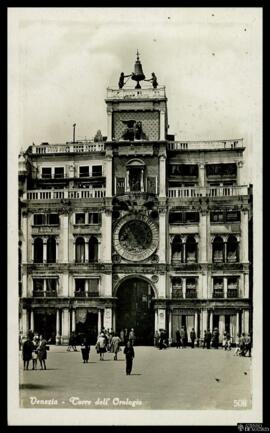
(80, 250)
(191, 249)
(218, 250)
(177, 249)
(93, 249)
(38, 250)
(51, 250)
(232, 249)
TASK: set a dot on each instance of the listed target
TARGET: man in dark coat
(248, 345)
(215, 339)
(130, 355)
(28, 348)
(192, 337)
(178, 339)
(208, 338)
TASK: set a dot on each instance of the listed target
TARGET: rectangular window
(59, 172)
(53, 219)
(46, 172)
(184, 217)
(38, 285)
(79, 218)
(93, 218)
(120, 185)
(84, 171)
(221, 170)
(96, 170)
(233, 216)
(217, 217)
(183, 170)
(93, 285)
(39, 219)
(51, 285)
(80, 287)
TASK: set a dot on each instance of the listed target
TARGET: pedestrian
(42, 352)
(132, 337)
(27, 350)
(156, 338)
(204, 340)
(101, 346)
(72, 343)
(116, 341)
(215, 339)
(183, 337)
(130, 355)
(242, 345)
(228, 343)
(248, 345)
(224, 340)
(85, 349)
(35, 352)
(208, 338)
(161, 339)
(192, 337)
(178, 339)
(125, 336)
(122, 336)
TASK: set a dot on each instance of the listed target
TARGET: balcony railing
(86, 294)
(44, 294)
(191, 293)
(232, 293)
(219, 191)
(218, 293)
(58, 194)
(131, 93)
(177, 293)
(206, 145)
(78, 147)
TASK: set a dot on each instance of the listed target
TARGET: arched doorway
(135, 309)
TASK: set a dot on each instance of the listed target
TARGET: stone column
(225, 251)
(107, 235)
(44, 250)
(184, 251)
(127, 181)
(245, 322)
(99, 249)
(65, 285)
(161, 318)
(114, 320)
(32, 324)
(196, 324)
(142, 180)
(162, 286)
(203, 247)
(201, 175)
(108, 318)
(240, 165)
(162, 236)
(221, 326)
(57, 251)
(244, 236)
(204, 321)
(58, 337)
(211, 321)
(170, 328)
(65, 325)
(25, 322)
(225, 287)
(156, 321)
(107, 284)
(73, 320)
(109, 125)
(99, 322)
(108, 176)
(162, 176)
(237, 323)
(204, 287)
(24, 285)
(86, 249)
(246, 285)
(64, 236)
(25, 239)
(184, 286)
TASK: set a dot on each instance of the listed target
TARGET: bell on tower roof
(138, 74)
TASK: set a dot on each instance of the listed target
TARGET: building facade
(134, 229)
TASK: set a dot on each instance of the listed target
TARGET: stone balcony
(206, 145)
(131, 93)
(218, 191)
(64, 194)
(85, 146)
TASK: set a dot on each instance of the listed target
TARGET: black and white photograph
(135, 225)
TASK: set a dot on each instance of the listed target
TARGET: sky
(62, 60)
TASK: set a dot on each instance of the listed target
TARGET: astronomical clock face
(135, 237)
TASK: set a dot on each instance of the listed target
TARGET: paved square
(161, 379)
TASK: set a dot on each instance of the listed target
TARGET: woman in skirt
(85, 349)
(101, 346)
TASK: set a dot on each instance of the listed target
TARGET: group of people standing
(182, 338)
(34, 349)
